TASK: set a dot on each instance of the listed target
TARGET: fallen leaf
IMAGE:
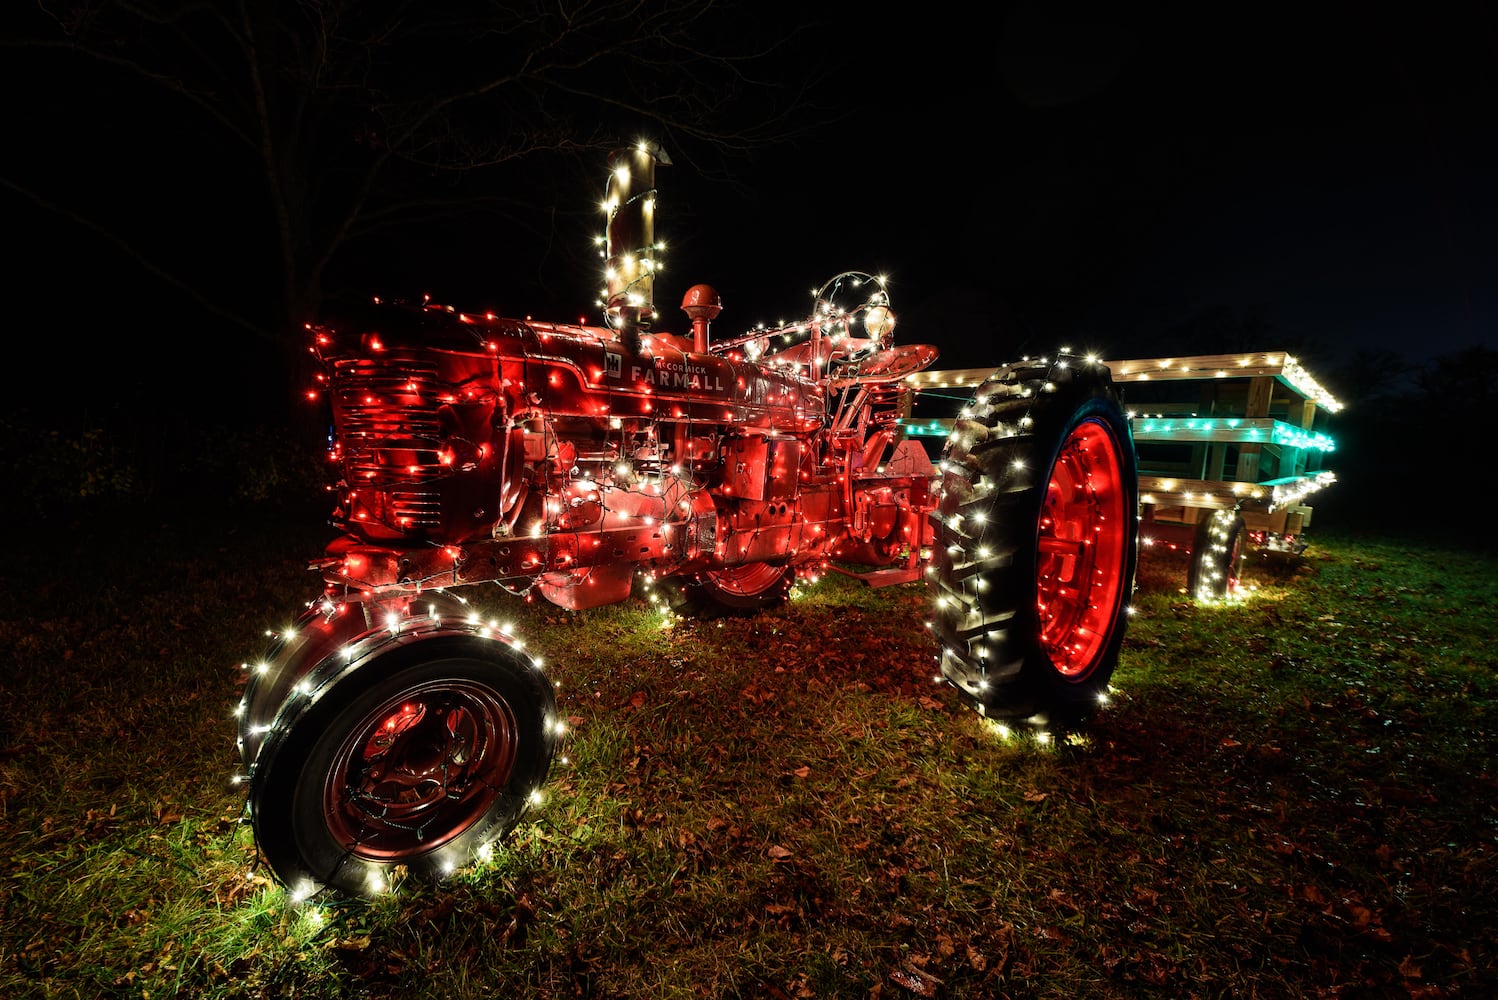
(1313, 894)
(1155, 969)
(1059, 896)
(777, 852)
(915, 981)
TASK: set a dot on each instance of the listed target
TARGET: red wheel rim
(1082, 548)
(419, 770)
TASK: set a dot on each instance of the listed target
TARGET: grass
(1288, 796)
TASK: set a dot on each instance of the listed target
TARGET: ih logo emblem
(613, 364)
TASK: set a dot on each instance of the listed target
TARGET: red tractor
(393, 727)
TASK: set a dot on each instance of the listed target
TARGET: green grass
(1291, 795)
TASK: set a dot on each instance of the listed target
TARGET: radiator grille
(416, 509)
(385, 416)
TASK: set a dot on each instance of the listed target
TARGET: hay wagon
(1230, 450)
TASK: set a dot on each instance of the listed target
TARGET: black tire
(732, 591)
(422, 754)
(1036, 542)
(1217, 553)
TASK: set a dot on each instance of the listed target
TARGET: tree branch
(149, 266)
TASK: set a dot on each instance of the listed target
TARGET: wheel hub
(420, 770)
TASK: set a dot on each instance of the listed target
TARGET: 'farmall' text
(678, 375)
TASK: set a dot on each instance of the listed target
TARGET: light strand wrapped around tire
(413, 742)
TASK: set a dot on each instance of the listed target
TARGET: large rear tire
(419, 753)
(1036, 542)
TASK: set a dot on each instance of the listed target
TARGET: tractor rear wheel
(1036, 542)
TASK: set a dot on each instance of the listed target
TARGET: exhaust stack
(630, 252)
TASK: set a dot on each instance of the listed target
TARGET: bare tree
(303, 130)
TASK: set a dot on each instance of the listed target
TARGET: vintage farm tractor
(393, 727)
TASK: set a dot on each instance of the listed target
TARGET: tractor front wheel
(418, 757)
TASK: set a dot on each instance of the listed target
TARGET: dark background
(1136, 179)
(1319, 177)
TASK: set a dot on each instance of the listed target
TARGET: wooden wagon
(1230, 448)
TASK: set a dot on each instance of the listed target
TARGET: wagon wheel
(1217, 552)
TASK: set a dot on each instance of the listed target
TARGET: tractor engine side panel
(582, 371)
(473, 448)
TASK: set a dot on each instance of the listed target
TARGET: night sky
(1327, 177)
(1320, 177)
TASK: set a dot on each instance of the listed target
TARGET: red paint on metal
(1082, 548)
